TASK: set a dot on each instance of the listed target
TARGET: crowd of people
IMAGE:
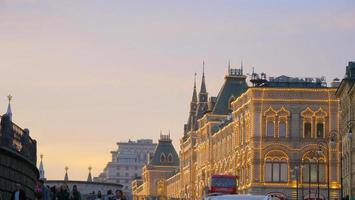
(63, 192)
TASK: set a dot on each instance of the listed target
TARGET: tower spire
(9, 110)
(194, 93)
(89, 176)
(229, 67)
(66, 178)
(41, 169)
(241, 67)
(203, 84)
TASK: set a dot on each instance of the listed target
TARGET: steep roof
(165, 150)
(234, 85)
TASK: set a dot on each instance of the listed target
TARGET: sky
(85, 74)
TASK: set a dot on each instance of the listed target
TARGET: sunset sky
(86, 74)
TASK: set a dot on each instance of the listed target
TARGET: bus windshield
(224, 182)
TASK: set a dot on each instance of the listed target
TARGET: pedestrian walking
(19, 193)
(63, 193)
(75, 194)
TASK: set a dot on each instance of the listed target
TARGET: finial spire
(41, 169)
(9, 110)
(194, 93)
(203, 84)
(89, 176)
(66, 178)
(229, 66)
(9, 97)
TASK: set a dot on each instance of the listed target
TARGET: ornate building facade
(162, 164)
(276, 136)
(346, 94)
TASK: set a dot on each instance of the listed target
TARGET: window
(118, 174)
(276, 171)
(127, 174)
(282, 129)
(170, 158)
(162, 157)
(320, 130)
(310, 172)
(270, 129)
(307, 130)
(127, 167)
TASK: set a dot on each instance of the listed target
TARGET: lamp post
(331, 141)
(295, 170)
(350, 125)
(302, 190)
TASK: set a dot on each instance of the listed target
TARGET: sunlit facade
(274, 136)
(346, 94)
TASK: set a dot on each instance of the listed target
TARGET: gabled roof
(233, 86)
(166, 148)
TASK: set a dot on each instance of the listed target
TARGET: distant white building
(127, 163)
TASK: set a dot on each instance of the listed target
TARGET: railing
(17, 139)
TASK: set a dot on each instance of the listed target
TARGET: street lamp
(295, 171)
(302, 190)
(331, 144)
(350, 125)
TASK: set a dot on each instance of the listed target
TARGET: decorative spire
(229, 67)
(41, 169)
(66, 178)
(241, 67)
(194, 94)
(203, 84)
(89, 176)
(9, 111)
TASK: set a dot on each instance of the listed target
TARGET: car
(241, 197)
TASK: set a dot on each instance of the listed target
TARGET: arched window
(270, 129)
(162, 157)
(313, 169)
(282, 129)
(276, 170)
(170, 158)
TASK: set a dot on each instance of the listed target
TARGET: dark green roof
(233, 86)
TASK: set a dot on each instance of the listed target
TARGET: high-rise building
(127, 162)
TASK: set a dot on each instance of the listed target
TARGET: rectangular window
(320, 130)
(276, 172)
(284, 172)
(282, 129)
(270, 129)
(268, 172)
(313, 172)
(307, 130)
(322, 172)
(305, 173)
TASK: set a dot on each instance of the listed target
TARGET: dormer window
(162, 157)
(170, 158)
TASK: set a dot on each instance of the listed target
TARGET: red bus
(226, 184)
